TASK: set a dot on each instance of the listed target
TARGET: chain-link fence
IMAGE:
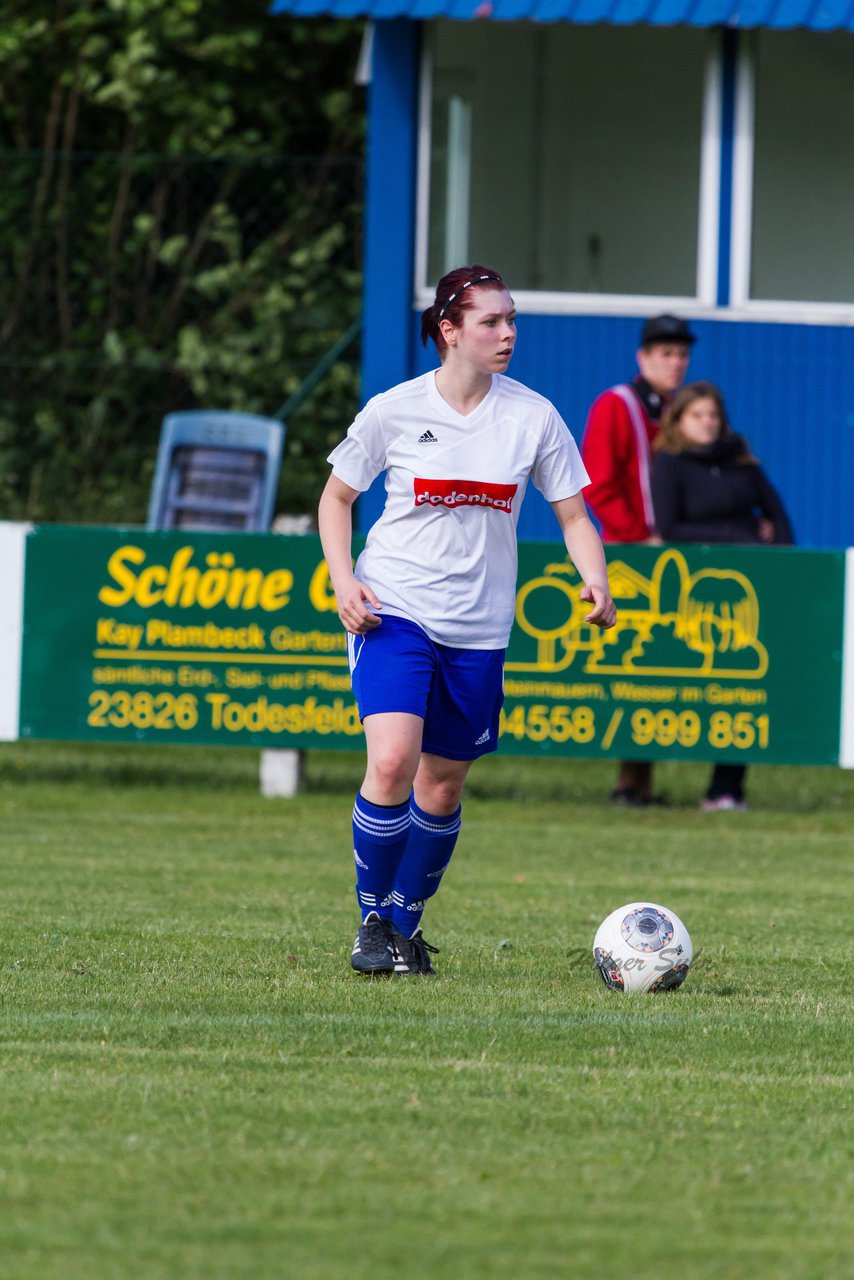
(131, 286)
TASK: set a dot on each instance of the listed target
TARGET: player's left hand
(604, 611)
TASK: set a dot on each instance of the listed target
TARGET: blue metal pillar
(389, 219)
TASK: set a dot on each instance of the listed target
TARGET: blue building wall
(789, 387)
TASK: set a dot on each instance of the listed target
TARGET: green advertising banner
(131, 635)
(718, 653)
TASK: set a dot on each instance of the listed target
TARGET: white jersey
(443, 552)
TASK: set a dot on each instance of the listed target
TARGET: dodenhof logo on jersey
(464, 493)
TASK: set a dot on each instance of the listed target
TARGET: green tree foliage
(180, 205)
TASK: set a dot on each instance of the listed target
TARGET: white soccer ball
(642, 947)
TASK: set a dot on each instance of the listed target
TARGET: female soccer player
(430, 604)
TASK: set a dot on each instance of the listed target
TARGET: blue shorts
(458, 693)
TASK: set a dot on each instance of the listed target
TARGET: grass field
(194, 1084)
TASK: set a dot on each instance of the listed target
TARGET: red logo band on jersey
(464, 493)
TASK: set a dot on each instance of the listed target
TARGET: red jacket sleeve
(610, 454)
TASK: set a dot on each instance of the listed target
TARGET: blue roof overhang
(815, 15)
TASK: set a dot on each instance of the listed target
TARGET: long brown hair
(671, 440)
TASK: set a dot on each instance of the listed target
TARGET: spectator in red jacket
(621, 427)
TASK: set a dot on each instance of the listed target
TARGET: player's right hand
(358, 607)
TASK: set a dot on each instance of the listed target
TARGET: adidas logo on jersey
(428, 438)
(484, 737)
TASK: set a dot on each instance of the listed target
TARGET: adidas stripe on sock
(429, 848)
(379, 840)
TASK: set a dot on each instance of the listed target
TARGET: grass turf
(193, 1083)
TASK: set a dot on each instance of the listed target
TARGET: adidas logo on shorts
(428, 438)
(484, 737)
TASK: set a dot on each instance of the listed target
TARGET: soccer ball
(642, 947)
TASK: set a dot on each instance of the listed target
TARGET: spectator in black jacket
(708, 487)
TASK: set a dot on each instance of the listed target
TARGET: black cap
(666, 328)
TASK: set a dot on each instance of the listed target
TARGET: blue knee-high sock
(379, 840)
(428, 852)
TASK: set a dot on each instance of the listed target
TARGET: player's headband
(474, 280)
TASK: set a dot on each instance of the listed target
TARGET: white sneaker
(718, 803)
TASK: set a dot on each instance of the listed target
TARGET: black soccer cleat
(373, 951)
(412, 955)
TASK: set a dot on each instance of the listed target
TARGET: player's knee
(391, 773)
(439, 795)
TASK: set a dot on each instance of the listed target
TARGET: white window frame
(703, 302)
(742, 305)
